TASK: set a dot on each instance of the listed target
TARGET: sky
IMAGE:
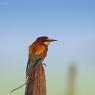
(71, 22)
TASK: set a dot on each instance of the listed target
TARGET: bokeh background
(71, 22)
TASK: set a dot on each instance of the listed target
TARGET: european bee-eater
(37, 52)
(35, 78)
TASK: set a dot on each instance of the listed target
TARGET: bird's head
(44, 40)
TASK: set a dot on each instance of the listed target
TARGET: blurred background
(71, 60)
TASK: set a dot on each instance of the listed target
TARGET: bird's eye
(46, 39)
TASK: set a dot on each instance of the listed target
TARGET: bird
(37, 53)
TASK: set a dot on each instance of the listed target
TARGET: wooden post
(72, 79)
(36, 83)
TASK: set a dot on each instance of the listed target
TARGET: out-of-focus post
(72, 78)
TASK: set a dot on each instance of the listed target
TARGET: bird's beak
(48, 41)
(51, 40)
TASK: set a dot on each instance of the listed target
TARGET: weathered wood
(36, 82)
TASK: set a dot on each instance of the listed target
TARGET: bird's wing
(30, 62)
(33, 60)
(28, 65)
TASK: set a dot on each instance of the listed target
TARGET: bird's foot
(44, 64)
